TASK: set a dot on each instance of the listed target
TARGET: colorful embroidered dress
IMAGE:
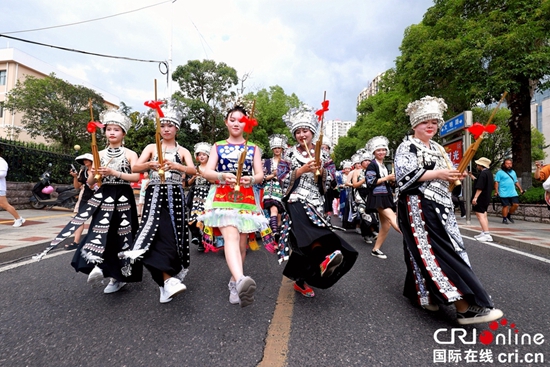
(226, 207)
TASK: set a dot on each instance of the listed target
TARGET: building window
(1, 109)
(2, 77)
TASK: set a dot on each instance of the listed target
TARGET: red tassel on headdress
(477, 129)
(92, 125)
(324, 108)
(250, 124)
(156, 106)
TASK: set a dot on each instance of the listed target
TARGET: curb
(523, 245)
(26, 252)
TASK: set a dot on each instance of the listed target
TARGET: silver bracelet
(220, 177)
(252, 180)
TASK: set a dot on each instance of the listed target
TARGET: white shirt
(3, 173)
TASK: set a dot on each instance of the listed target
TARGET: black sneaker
(379, 254)
(476, 315)
(504, 221)
(510, 219)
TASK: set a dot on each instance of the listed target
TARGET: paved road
(51, 317)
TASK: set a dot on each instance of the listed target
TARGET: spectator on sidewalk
(506, 182)
(482, 197)
(3, 199)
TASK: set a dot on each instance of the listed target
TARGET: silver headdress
(356, 158)
(303, 116)
(278, 141)
(202, 147)
(327, 142)
(346, 163)
(365, 154)
(426, 108)
(115, 117)
(378, 142)
(173, 113)
(234, 101)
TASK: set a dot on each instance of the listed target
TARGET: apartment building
(16, 65)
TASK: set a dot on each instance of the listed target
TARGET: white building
(337, 128)
(540, 117)
(15, 66)
(371, 90)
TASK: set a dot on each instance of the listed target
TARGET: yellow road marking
(278, 333)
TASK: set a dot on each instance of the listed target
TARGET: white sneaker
(19, 222)
(485, 238)
(163, 298)
(113, 286)
(479, 235)
(246, 286)
(173, 286)
(96, 276)
(233, 294)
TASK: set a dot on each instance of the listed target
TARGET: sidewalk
(531, 237)
(42, 226)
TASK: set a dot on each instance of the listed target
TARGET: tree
(205, 89)
(270, 107)
(54, 109)
(497, 145)
(381, 114)
(538, 144)
(470, 51)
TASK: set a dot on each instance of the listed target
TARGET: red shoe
(306, 291)
(330, 263)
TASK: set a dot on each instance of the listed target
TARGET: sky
(306, 47)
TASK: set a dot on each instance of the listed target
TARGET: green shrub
(534, 195)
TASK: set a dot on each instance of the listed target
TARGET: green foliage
(533, 195)
(498, 145)
(27, 161)
(54, 109)
(382, 114)
(538, 144)
(470, 51)
(205, 89)
(270, 107)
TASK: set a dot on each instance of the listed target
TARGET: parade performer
(162, 239)
(232, 208)
(341, 180)
(273, 193)
(112, 208)
(319, 257)
(80, 180)
(380, 197)
(368, 221)
(198, 191)
(349, 219)
(438, 268)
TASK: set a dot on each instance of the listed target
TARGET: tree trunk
(520, 128)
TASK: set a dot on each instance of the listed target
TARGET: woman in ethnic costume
(319, 257)
(232, 208)
(273, 194)
(380, 192)
(438, 268)
(199, 191)
(113, 210)
(162, 239)
(368, 223)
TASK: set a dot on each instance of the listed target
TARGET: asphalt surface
(51, 317)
